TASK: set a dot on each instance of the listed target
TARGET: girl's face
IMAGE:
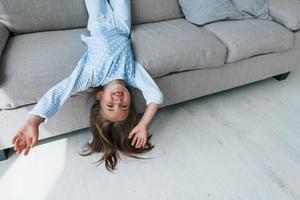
(114, 101)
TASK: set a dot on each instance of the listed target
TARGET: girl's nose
(117, 99)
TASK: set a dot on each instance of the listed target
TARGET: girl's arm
(145, 83)
(53, 99)
(153, 96)
(151, 92)
(27, 136)
(149, 114)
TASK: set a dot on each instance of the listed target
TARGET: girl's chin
(115, 82)
(117, 87)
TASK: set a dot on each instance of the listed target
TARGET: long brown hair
(111, 138)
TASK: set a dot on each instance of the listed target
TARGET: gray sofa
(40, 45)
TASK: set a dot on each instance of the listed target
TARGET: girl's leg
(97, 9)
(122, 9)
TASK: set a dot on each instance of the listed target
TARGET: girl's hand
(140, 131)
(26, 137)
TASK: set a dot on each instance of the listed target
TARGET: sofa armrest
(286, 12)
(4, 34)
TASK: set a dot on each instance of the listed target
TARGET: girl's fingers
(134, 139)
(28, 145)
(141, 142)
(138, 143)
(144, 141)
(34, 141)
(14, 139)
(22, 144)
(131, 134)
(17, 144)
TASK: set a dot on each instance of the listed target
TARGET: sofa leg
(281, 77)
(4, 154)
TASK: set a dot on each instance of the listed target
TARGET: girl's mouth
(118, 93)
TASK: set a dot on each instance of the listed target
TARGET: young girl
(109, 66)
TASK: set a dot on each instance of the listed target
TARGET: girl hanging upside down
(108, 65)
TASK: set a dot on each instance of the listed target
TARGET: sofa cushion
(24, 16)
(206, 11)
(175, 45)
(144, 11)
(258, 9)
(33, 63)
(32, 15)
(250, 37)
(286, 13)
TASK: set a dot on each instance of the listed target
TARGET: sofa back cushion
(154, 10)
(201, 12)
(286, 13)
(24, 16)
(258, 9)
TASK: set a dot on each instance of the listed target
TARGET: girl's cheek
(107, 98)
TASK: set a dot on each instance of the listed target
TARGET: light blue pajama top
(108, 57)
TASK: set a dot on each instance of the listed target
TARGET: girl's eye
(124, 106)
(110, 106)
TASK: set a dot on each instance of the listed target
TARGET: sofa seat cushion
(33, 63)
(250, 37)
(175, 45)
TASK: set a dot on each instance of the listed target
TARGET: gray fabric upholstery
(175, 45)
(258, 9)
(48, 57)
(183, 86)
(32, 15)
(24, 16)
(177, 87)
(154, 10)
(286, 12)
(250, 37)
(206, 11)
(4, 34)
(32, 63)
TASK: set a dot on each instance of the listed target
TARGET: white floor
(239, 144)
